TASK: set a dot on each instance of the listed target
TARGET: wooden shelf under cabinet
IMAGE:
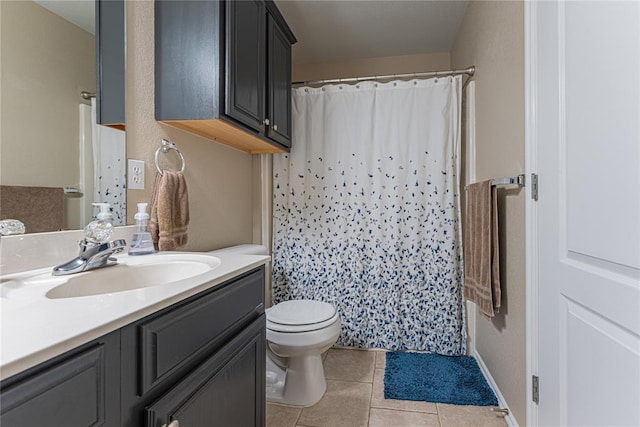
(225, 133)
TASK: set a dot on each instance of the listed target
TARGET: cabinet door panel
(187, 59)
(226, 390)
(174, 338)
(245, 58)
(279, 83)
(110, 49)
(78, 390)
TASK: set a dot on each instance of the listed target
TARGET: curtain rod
(469, 71)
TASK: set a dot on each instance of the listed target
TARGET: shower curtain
(109, 164)
(366, 212)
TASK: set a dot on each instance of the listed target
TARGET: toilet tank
(243, 250)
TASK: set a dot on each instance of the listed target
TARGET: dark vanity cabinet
(223, 71)
(77, 389)
(226, 390)
(200, 361)
(110, 54)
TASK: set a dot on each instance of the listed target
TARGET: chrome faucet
(92, 255)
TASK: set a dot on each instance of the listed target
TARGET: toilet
(298, 332)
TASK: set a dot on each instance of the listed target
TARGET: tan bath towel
(169, 217)
(38, 208)
(481, 248)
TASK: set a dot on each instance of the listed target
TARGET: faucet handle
(92, 255)
(99, 255)
(118, 245)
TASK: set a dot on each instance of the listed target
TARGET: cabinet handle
(173, 423)
(275, 127)
(266, 122)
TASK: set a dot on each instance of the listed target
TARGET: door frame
(531, 209)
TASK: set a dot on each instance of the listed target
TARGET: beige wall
(372, 66)
(492, 38)
(219, 178)
(46, 63)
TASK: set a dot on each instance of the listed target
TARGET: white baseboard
(510, 419)
(471, 327)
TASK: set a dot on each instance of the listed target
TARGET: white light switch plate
(135, 174)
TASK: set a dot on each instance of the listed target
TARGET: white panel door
(586, 121)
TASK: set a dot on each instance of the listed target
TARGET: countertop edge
(7, 370)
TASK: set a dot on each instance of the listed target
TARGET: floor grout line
(298, 417)
(371, 395)
(404, 410)
(350, 381)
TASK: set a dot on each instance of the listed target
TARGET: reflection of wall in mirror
(46, 63)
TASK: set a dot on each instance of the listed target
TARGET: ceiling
(339, 30)
(78, 12)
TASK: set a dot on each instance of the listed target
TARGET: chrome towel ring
(165, 146)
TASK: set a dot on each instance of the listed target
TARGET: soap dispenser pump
(141, 243)
(100, 230)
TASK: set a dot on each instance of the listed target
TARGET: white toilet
(298, 332)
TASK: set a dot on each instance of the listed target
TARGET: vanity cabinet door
(78, 389)
(161, 350)
(245, 58)
(228, 389)
(174, 339)
(279, 84)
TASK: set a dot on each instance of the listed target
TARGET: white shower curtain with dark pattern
(366, 212)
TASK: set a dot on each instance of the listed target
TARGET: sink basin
(132, 272)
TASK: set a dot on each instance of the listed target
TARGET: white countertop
(35, 329)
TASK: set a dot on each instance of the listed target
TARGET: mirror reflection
(55, 160)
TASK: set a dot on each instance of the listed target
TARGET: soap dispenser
(100, 230)
(141, 243)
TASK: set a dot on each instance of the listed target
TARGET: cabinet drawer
(226, 390)
(184, 333)
(70, 393)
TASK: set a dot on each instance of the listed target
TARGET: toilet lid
(300, 315)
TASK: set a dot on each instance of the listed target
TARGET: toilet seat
(300, 316)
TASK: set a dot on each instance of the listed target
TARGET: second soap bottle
(141, 243)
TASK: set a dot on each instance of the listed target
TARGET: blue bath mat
(434, 378)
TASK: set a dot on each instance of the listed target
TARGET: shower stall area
(366, 209)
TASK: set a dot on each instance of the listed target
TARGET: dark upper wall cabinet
(278, 84)
(245, 71)
(110, 54)
(223, 71)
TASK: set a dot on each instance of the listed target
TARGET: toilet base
(301, 383)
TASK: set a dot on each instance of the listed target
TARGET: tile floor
(355, 397)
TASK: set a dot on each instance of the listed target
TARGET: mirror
(48, 133)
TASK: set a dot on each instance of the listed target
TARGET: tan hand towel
(169, 218)
(481, 248)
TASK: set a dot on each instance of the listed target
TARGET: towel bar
(513, 180)
(72, 190)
